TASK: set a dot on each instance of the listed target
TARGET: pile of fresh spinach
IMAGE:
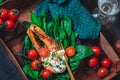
(59, 29)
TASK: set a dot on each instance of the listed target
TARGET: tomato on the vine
(46, 74)
(44, 52)
(103, 72)
(3, 13)
(36, 64)
(106, 62)
(14, 14)
(32, 54)
(9, 24)
(97, 50)
(93, 61)
(70, 51)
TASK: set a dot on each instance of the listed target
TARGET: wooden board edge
(12, 58)
(107, 48)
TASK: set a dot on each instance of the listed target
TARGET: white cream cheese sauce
(55, 61)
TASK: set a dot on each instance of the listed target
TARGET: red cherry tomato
(70, 51)
(44, 52)
(103, 72)
(46, 74)
(14, 14)
(106, 62)
(9, 24)
(32, 54)
(93, 61)
(96, 50)
(1, 22)
(36, 64)
(4, 13)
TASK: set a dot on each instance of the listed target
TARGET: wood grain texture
(110, 53)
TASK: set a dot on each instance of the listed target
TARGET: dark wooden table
(14, 40)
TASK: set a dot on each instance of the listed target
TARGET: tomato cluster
(8, 18)
(36, 63)
(99, 62)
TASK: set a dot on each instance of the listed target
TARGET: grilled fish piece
(48, 41)
(35, 43)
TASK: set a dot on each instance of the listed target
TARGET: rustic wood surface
(14, 39)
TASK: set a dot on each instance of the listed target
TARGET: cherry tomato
(103, 72)
(36, 64)
(70, 51)
(46, 74)
(9, 24)
(32, 54)
(1, 22)
(44, 52)
(96, 50)
(14, 14)
(106, 62)
(93, 61)
(4, 13)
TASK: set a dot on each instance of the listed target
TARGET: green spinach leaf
(56, 26)
(84, 51)
(62, 35)
(67, 25)
(73, 39)
(35, 20)
(27, 24)
(65, 43)
(30, 72)
(43, 18)
(27, 43)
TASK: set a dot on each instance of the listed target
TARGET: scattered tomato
(36, 64)
(96, 50)
(46, 74)
(3, 13)
(9, 24)
(70, 51)
(44, 52)
(32, 54)
(106, 62)
(93, 61)
(14, 14)
(103, 72)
